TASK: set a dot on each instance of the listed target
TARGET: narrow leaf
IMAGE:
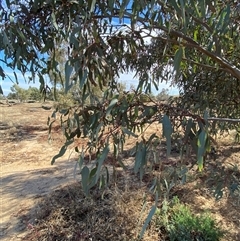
(2, 72)
(101, 160)
(83, 78)
(111, 105)
(201, 148)
(138, 158)
(188, 128)
(177, 59)
(1, 90)
(61, 152)
(147, 221)
(54, 20)
(68, 72)
(92, 5)
(128, 132)
(167, 132)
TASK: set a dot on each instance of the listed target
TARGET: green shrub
(178, 223)
(63, 101)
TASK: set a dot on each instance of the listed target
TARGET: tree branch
(223, 119)
(192, 43)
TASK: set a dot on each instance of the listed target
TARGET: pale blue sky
(127, 78)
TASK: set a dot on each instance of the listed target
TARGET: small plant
(177, 223)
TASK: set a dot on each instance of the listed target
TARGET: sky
(126, 78)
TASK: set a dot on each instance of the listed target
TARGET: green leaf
(53, 17)
(81, 160)
(68, 72)
(111, 105)
(183, 14)
(101, 160)
(6, 41)
(93, 3)
(178, 59)
(50, 128)
(176, 6)
(15, 75)
(143, 161)
(188, 128)
(195, 35)
(123, 7)
(61, 152)
(147, 221)
(115, 150)
(193, 3)
(102, 182)
(201, 148)
(138, 157)
(167, 132)
(203, 8)
(92, 173)
(83, 78)
(2, 73)
(150, 111)
(1, 91)
(128, 132)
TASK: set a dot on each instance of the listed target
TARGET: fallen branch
(223, 119)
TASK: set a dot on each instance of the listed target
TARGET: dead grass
(66, 214)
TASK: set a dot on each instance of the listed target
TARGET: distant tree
(121, 87)
(19, 93)
(12, 95)
(2, 97)
(163, 95)
(22, 94)
(34, 93)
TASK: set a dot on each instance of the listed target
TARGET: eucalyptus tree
(194, 44)
(203, 77)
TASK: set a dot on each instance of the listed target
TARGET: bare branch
(223, 119)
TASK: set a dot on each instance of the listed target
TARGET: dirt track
(26, 172)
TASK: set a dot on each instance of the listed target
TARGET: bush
(178, 223)
(34, 93)
(63, 101)
(163, 95)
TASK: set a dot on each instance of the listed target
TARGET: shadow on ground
(21, 190)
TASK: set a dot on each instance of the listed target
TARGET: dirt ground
(28, 183)
(26, 172)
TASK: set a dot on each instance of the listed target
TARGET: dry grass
(66, 214)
